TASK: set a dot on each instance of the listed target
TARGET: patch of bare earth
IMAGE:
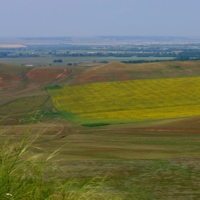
(46, 74)
(11, 46)
(35, 78)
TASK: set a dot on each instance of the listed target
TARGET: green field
(23, 105)
(128, 101)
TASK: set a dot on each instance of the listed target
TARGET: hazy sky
(53, 18)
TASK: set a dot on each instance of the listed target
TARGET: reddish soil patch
(114, 71)
(39, 75)
(5, 85)
(115, 76)
(10, 77)
(92, 79)
(125, 78)
(103, 75)
(37, 78)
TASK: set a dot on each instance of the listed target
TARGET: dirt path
(64, 128)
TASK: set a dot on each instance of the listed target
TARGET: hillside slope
(116, 71)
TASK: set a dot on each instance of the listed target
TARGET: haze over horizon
(50, 18)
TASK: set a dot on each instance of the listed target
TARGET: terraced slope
(128, 101)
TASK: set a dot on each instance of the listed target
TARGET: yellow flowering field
(128, 101)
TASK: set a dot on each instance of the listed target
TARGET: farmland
(149, 150)
(46, 60)
(128, 101)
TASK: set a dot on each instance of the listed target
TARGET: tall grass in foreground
(27, 178)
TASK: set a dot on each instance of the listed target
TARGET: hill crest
(116, 71)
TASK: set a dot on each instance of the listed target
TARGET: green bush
(96, 124)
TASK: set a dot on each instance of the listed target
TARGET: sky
(60, 18)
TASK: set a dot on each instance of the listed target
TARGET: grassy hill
(116, 71)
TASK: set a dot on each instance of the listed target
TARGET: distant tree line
(187, 55)
(177, 52)
(108, 54)
(142, 61)
(59, 60)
